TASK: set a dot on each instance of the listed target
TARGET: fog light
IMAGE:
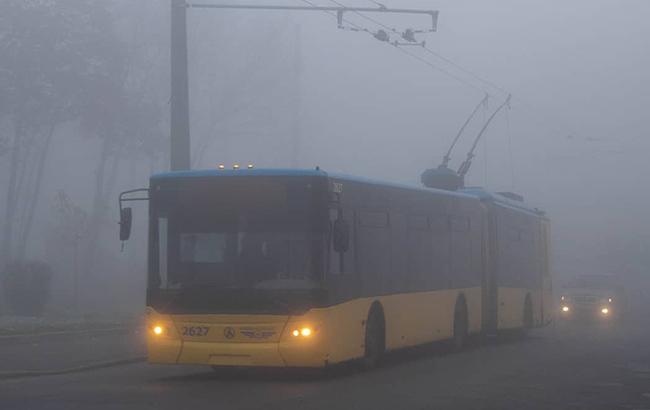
(565, 308)
(296, 333)
(158, 330)
(604, 311)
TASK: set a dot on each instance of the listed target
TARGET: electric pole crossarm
(339, 10)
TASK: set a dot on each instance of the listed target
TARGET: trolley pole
(179, 100)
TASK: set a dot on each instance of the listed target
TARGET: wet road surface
(560, 367)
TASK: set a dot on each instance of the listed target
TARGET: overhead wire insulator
(409, 35)
(382, 35)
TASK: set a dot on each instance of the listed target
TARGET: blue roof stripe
(239, 172)
(299, 172)
(473, 193)
(502, 200)
(419, 188)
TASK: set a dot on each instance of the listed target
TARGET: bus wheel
(460, 325)
(375, 340)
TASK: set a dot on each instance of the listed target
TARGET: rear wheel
(461, 325)
(375, 338)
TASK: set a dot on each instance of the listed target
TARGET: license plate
(195, 330)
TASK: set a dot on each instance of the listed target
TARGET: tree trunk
(32, 200)
(6, 252)
(11, 199)
(93, 225)
(104, 185)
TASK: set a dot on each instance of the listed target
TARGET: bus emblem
(229, 332)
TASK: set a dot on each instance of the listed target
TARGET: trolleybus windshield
(262, 236)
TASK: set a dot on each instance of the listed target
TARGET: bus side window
(461, 251)
(341, 262)
(348, 257)
(333, 260)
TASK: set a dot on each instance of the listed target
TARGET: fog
(574, 141)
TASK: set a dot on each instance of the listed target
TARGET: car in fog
(599, 297)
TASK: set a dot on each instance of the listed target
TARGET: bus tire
(461, 325)
(375, 337)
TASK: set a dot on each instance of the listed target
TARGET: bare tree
(53, 53)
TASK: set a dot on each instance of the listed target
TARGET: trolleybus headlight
(303, 331)
(604, 311)
(221, 166)
(565, 308)
(158, 330)
(609, 300)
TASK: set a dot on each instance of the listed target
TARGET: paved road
(54, 351)
(557, 368)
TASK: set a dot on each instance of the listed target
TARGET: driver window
(334, 259)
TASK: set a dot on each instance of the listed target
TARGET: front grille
(585, 300)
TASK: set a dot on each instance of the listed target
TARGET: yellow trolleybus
(303, 268)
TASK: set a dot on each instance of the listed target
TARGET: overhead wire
(465, 70)
(429, 63)
(353, 24)
(377, 3)
(428, 50)
(475, 76)
(442, 70)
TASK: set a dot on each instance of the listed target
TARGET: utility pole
(180, 95)
(180, 110)
(297, 99)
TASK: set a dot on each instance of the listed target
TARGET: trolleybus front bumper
(237, 340)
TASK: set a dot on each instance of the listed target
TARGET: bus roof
(473, 193)
(299, 172)
(502, 200)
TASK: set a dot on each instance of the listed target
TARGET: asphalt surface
(560, 367)
(56, 351)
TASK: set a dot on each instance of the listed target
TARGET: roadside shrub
(27, 286)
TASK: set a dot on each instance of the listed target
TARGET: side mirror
(341, 235)
(126, 217)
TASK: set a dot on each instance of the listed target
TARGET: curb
(93, 366)
(30, 337)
